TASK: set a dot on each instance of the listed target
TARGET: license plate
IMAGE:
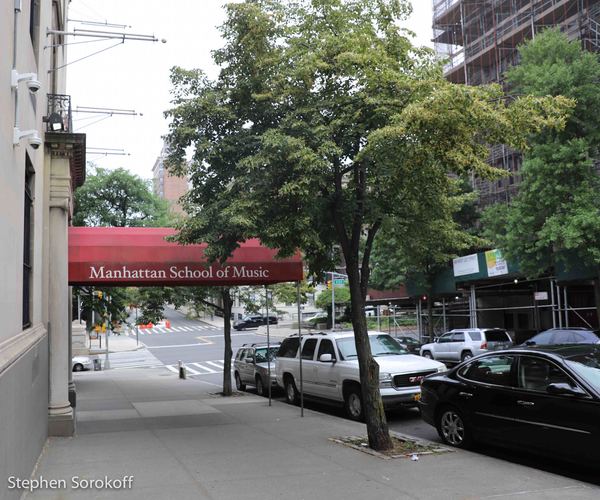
(417, 397)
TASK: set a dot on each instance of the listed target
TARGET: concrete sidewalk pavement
(180, 440)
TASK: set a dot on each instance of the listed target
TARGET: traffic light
(100, 295)
(329, 285)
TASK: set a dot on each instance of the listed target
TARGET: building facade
(166, 185)
(42, 162)
(480, 38)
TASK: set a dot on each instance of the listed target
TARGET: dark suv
(251, 366)
(254, 321)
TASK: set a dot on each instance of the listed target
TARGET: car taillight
(483, 345)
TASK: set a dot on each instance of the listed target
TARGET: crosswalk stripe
(171, 368)
(192, 371)
(206, 369)
(212, 363)
(159, 329)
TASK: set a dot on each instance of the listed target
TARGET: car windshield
(261, 354)
(587, 365)
(381, 345)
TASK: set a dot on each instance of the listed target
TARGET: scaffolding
(479, 40)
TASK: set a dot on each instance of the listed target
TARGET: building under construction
(479, 39)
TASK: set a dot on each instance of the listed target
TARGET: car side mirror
(326, 358)
(565, 390)
(530, 342)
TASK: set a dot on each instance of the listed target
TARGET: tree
(555, 217)
(323, 124)
(422, 247)
(118, 198)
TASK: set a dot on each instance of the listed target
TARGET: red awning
(136, 256)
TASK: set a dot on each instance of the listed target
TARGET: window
(240, 355)
(447, 337)
(490, 370)
(326, 347)
(27, 242)
(496, 336)
(308, 349)
(458, 337)
(476, 336)
(289, 348)
(536, 374)
(543, 338)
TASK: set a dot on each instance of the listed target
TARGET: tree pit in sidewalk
(403, 446)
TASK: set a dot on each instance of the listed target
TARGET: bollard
(182, 374)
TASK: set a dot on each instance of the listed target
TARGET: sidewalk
(116, 343)
(213, 321)
(181, 441)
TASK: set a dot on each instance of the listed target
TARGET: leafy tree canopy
(556, 214)
(117, 198)
(323, 124)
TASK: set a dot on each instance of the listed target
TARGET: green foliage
(556, 215)
(342, 297)
(423, 245)
(117, 198)
(324, 124)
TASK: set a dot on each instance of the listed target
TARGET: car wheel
(453, 428)
(260, 387)
(239, 385)
(78, 367)
(466, 355)
(427, 354)
(291, 393)
(353, 404)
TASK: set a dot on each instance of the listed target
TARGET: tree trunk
(597, 296)
(377, 428)
(227, 303)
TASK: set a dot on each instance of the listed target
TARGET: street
(199, 345)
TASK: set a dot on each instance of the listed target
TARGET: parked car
(81, 363)
(545, 401)
(410, 344)
(254, 321)
(317, 318)
(464, 343)
(330, 370)
(251, 366)
(564, 336)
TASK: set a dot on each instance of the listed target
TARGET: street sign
(339, 282)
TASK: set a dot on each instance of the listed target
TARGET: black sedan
(254, 322)
(564, 336)
(545, 401)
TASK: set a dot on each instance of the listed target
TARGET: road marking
(205, 368)
(212, 363)
(159, 329)
(172, 368)
(178, 345)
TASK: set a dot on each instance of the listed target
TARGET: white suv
(464, 343)
(330, 370)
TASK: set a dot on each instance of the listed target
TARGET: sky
(134, 75)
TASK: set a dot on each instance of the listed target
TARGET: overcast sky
(135, 75)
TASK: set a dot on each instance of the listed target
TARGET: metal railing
(59, 117)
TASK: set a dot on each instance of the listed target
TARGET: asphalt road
(200, 346)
